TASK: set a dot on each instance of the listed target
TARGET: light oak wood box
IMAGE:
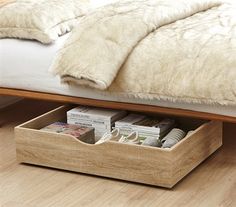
(148, 165)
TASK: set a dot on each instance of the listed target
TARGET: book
(85, 134)
(126, 123)
(139, 123)
(165, 126)
(147, 125)
(101, 119)
(93, 113)
(144, 125)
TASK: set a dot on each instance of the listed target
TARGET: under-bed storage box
(149, 165)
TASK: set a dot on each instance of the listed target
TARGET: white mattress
(24, 65)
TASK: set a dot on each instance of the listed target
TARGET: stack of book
(125, 125)
(84, 134)
(102, 120)
(145, 126)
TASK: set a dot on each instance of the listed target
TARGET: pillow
(42, 20)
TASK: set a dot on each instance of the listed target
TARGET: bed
(35, 81)
(34, 59)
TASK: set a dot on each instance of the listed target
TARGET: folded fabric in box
(84, 134)
(42, 20)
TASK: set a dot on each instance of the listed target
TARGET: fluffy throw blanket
(42, 20)
(156, 49)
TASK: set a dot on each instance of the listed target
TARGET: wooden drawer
(149, 165)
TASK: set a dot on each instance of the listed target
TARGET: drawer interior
(59, 115)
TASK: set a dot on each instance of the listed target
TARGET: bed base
(114, 105)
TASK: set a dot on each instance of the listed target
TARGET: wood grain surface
(212, 184)
(148, 165)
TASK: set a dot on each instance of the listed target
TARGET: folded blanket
(193, 60)
(180, 51)
(105, 38)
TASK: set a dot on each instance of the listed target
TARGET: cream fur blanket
(42, 20)
(156, 49)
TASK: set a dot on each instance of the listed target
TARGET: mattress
(24, 65)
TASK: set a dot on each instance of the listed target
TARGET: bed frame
(114, 105)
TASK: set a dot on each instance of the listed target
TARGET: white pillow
(42, 20)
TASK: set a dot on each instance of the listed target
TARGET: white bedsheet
(24, 65)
